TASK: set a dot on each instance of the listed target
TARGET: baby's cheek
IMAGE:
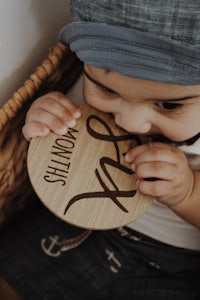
(92, 101)
(90, 97)
(98, 103)
(122, 122)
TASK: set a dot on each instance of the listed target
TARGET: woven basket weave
(57, 72)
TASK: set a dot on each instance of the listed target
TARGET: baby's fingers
(33, 129)
(153, 152)
(155, 188)
(157, 169)
(50, 120)
(58, 104)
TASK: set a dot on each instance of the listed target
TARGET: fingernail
(71, 123)
(63, 130)
(127, 158)
(45, 130)
(133, 167)
(77, 114)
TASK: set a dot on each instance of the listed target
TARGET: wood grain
(82, 177)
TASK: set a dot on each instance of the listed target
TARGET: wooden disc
(82, 176)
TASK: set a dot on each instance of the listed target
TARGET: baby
(141, 64)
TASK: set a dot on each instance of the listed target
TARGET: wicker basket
(57, 72)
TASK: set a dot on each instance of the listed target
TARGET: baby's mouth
(163, 139)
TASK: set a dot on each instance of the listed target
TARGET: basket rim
(33, 84)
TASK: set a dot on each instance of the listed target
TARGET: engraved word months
(59, 165)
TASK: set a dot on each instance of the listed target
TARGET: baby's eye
(106, 90)
(168, 106)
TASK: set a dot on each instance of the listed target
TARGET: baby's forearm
(189, 208)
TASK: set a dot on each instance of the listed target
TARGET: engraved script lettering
(104, 162)
(58, 168)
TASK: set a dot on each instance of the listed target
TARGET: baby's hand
(51, 112)
(162, 171)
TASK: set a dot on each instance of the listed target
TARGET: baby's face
(145, 107)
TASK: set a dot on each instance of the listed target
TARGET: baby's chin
(163, 139)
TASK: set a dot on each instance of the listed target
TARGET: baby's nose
(139, 125)
(143, 128)
(135, 122)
